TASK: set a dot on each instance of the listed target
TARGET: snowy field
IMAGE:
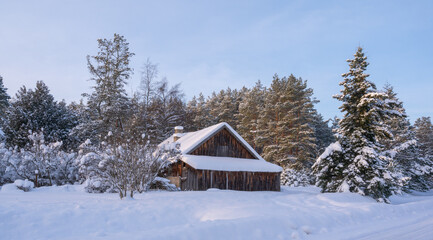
(67, 212)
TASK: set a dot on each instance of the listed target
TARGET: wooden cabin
(218, 157)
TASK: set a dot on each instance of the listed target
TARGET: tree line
(279, 121)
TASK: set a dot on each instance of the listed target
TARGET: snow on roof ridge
(199, 136)
(189, 141)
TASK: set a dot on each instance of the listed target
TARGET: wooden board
(223, 144)
(244, 181)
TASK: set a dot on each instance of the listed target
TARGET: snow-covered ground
(67, 212)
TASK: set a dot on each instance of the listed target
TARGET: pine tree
(267, 123)
(356, 162)
(300, 118)
(249, 112)
(198, 113)
(228, 107)
(190, 114)
(110, 70)
(212, 104)
(284, 127)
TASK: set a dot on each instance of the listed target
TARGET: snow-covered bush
(129, 166)
(6, 175)
(88, 159)
(340, 169)
(95, 185)
(25, 185)
(160, 183)
(47, 161)
(296, 178)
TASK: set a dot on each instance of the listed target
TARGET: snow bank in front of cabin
(68, 212)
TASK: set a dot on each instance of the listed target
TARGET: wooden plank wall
(244, 181)
(223, 138)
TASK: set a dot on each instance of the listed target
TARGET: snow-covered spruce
(405, 149)
(296, 178)
(358, 162)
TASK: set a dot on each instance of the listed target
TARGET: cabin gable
(222, 144)
(218, 157)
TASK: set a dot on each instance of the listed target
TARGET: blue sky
(211, 45)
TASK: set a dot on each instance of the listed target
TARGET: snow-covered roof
(229, 164)
(191, 140)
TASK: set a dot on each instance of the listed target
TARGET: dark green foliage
(280, 122)
(35, 110)
(323, 133)
(4, 98)
(358, 162)
(285, 125)
(424, 135)
(249, 114)
(404, 148)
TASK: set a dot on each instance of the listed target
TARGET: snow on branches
(121, 166)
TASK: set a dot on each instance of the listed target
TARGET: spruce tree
(403, 148)
(357, 162)
(34, 111)
(322, 132)
(422, 177)
(4, 98)
(424, 135)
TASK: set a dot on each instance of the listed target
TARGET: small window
(223, 151)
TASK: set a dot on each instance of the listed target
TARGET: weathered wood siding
(223, 144)
(245, 181)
